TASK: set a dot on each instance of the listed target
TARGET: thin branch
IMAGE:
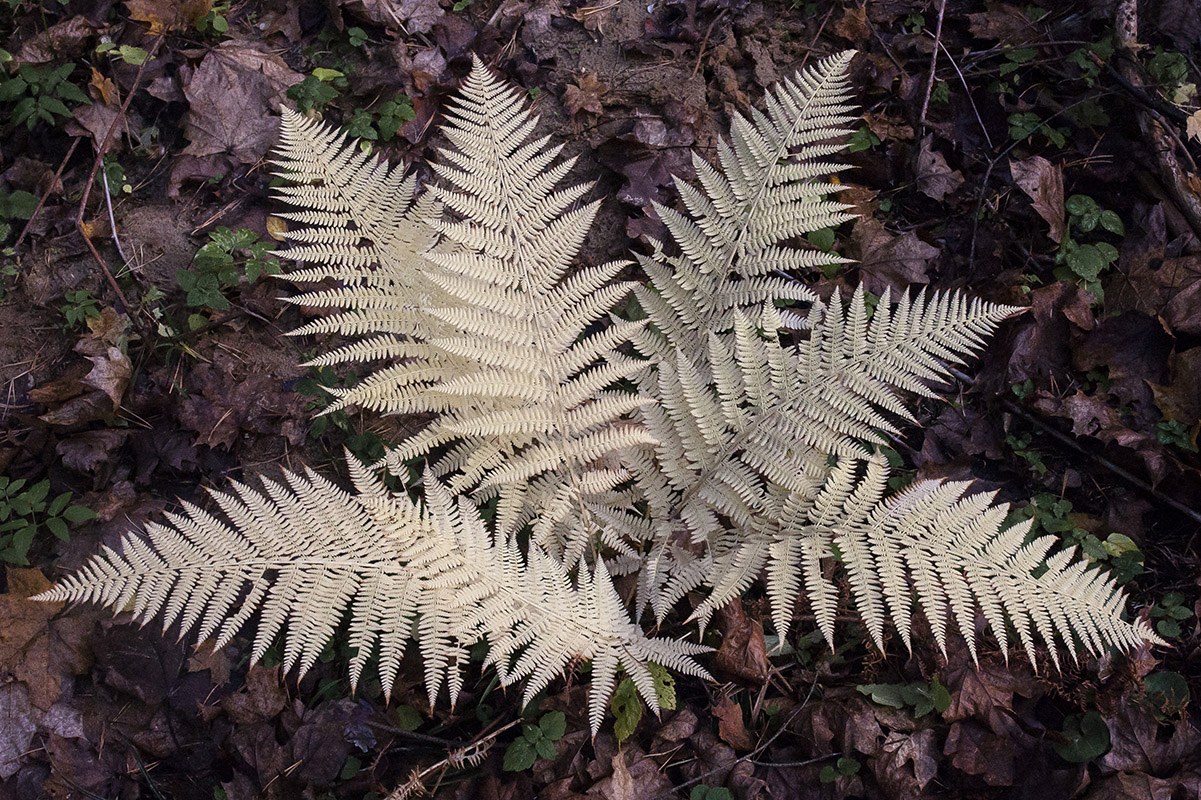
(87, 188)
(942, 8)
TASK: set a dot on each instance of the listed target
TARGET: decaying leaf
(1042, 181)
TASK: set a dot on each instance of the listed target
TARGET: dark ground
(1093, 398)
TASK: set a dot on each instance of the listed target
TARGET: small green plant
(1021, 444)
(862, 139)
(41, 93)
(80, 307)
(24, 511)
(1171, 70)
(368, 127)
(1174, 432)
(1015, 58)
(356, 36)
(535, 742)
(126, 52)
(706, 792)
(1084, 737)
(1082, 57)
(627, 706)
(1084, 263)
(219, 264)
(317, 89)
(1166, 695)
(1053, 514)
(1023, 390)
(14, 205)
(214, 22)
(113, 173)
(1169, 612)
(921, 697)
(842, 768)
(1024, 124)
(7, 270)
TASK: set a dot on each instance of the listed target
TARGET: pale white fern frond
(850, 365)
(737, 233)
(528, 386)
(537, 619)
(300, 556)
(949, 553)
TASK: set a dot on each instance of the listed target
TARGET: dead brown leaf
(976, 751)
(261, 698)
(899, 751)
(37, 649)
(743, 651)
(585, 96)
(638, 780)
(1002, 22)
(852, 25)
(64, 41)
(105, 89)
(1139, 744)
(232, 98)
(730, 726)
(417, 16)
(88, 451)
(890, 261)
(935, 178)
(1042, 181)
(1180, 399)
(163, 15)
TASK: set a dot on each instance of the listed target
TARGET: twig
(1068, 441)
(1149, 100)
(46, 194)
(942, 8)
(970, 99)
(112, 223)
(87, 189)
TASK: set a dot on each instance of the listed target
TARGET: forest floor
(1024, 155)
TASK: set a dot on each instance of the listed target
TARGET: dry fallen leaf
(162, 15)
(585, 96)
(743, 652)
(233, 96)
(730, 726)
(935, 178)
(1042, 181)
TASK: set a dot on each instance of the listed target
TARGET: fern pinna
(729, 434)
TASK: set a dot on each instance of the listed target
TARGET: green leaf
(627, 708)
(665, 686)
(1087, 738)
(11, 89)
(940, 696)
(1080, 204)
(885, 694)
(847, 766)
(822, 239)
(79, 514)
(58, 528)
(1111, 222)
(54, 106)
(22, 541)
(545, 748)
(519, 756)
(408, 718)
(326, 75)
(1167, 692)
(36, 494)
(1086, 261)
(133, 55)
(58, 504)
(69, 91)
(18, 205)
(553, 725)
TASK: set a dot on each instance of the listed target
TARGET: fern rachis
(738, 457)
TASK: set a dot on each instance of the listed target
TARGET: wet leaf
(730, 726)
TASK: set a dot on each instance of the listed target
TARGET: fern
(746, 450)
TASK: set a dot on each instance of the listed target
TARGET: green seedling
(24, 510)
(41, 93)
